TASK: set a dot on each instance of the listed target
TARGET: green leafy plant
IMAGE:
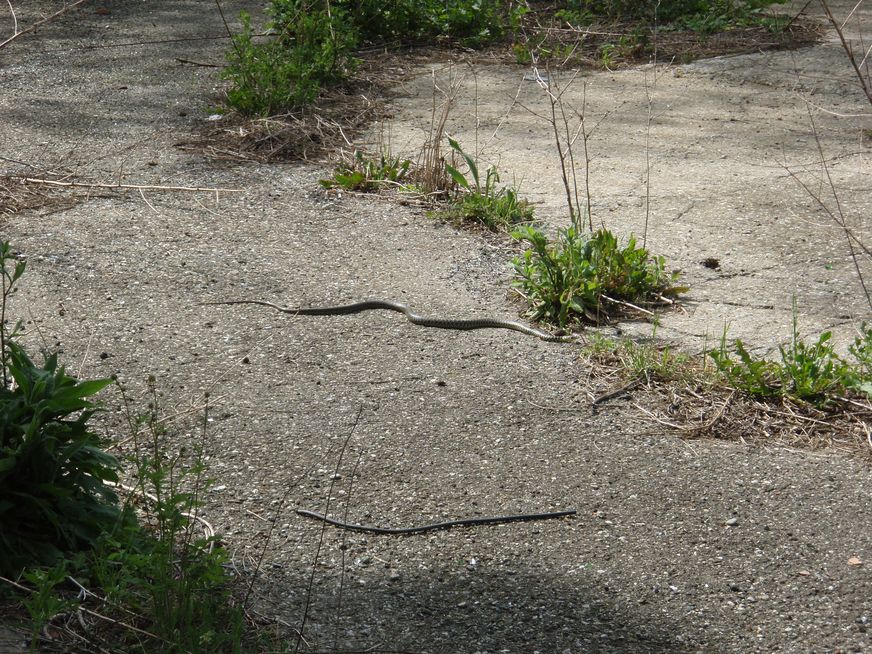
(167, 570)
(311, 43)
(481, 200)
(587, 276)
(368, 174)
(807, 372)
(810, 372)
(54, 496)
(312, 47)
(754, 376)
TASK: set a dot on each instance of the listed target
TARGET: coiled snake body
(414, 318)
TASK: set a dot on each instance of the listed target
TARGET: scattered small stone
(854, 561)
(732, 522)
(394, 575)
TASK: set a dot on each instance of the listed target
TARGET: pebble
(732, 522)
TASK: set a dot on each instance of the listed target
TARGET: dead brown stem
(61, 11)
(848, 50)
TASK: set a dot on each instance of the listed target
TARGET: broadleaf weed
(807, 372)
(482, 201)
(575, 277)
(367, 174)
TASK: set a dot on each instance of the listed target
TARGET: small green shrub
(311, 49)
(312, 43)
(573, 279)
(481, 201)
(368, 174)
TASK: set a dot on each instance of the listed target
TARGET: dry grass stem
(60, 12)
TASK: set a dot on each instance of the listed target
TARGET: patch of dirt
(678, 546)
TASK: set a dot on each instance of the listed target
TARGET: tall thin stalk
(837, 215)
(858, 66)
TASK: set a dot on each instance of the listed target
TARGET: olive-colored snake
(415, 319)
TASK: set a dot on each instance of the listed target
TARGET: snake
(414, 318)
(409, 531)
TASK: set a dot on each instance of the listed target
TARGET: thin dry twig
(629, 305)
(14, 17)
(323, 530)
(838, 215)
(60, 12)
(139, 187)
(848, 50)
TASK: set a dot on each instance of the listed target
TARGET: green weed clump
(367, 174)
(587, 276)
(481, 200)
(310, 49)
(54, 496)
(698, 15)
(68, 539)
(312, 43)
(806, 372)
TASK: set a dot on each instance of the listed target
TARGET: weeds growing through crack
(807, 372)
(481, 200)
(364, 173)
(588, 277)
